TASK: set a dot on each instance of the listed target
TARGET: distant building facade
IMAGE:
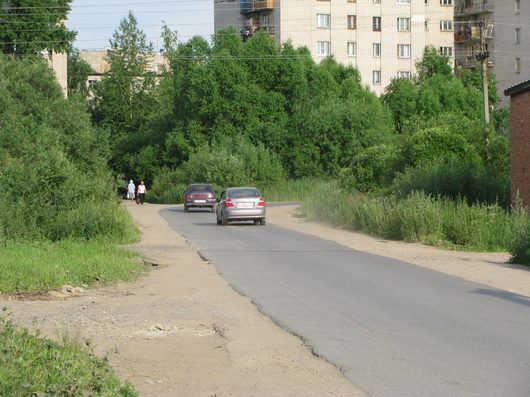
(382, 38)
(504, 27)
(520, 141)
(97, 59)
(58, 62)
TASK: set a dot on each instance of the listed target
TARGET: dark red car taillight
(261, 202)
(188, 196)
(228, 203)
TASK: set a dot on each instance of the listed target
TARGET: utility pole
(482, 56)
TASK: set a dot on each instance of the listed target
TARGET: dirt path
(182, 331)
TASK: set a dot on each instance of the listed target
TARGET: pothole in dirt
(199, 331)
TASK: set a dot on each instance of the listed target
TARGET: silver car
(240, 204)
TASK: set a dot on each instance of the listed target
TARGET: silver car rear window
(239, 193)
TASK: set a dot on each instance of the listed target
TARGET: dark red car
(199, 196)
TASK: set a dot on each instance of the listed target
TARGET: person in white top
(130, 190)
(141, 192)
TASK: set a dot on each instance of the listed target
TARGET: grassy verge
(39, 265)
(420, 218)
(292, 190)
(33, 366)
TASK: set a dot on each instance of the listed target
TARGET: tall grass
(289, 190)
(41, 265)
(171, 191)
(520, 247)
(420, 218)
(34, 366)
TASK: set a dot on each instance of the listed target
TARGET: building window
(404, 75)
(517, 65)
(376, 1)
(446, 2)
(403, 1)
(446, 26)
(403, 24)
(517, 35)
(517, 6)
(403, 50)
(352, 48)
(377, 50)
(447, 51)
(324, 21)
(323, 48)
(376, 22)
(426, 24)
(376, 77)
(352, 1)
(352, 21)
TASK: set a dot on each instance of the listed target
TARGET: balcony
(248, 6)
(474, 7)
(466, 33)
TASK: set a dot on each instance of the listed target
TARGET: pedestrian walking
(130, 190)
(141, 192)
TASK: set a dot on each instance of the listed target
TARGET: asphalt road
(396, 329)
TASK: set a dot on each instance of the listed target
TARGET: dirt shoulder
(183, 331)
(488, 268)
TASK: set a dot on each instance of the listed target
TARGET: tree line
(230, 100)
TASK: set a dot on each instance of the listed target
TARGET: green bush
(53, 167)
(454, 178)
(420, 217)
(520, 247)
(231, 162)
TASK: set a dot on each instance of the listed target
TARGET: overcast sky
(96, 20)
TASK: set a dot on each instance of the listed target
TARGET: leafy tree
(473, 78)
(432, 63)
(401, 96)
(125, 100)
(31, 26)
(52, 161)
(78, 70)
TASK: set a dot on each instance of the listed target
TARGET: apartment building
(58, 63)
(502, 29)
(97, 59)
(382, 38)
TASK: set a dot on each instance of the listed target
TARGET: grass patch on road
(34, 366)
(44, 265)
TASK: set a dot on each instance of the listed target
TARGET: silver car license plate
(245, 205)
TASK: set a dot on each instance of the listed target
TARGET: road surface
(394, 328)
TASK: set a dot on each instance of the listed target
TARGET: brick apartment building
(520, 140)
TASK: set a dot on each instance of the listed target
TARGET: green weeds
(420, 217)
(34, 366)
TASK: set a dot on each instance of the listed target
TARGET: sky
(96, 20)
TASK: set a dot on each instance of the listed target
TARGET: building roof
(515, 89)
